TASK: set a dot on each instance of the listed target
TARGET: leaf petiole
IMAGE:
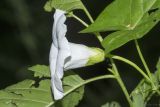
(132, 64)
(99, 37)
(78, 19)
(119, 80)
(142, 59)
(144, 64)
(89, 81)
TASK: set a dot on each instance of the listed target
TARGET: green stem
(78, 19)
(142, 59)
(99, 37)
(86, 25)
(113, 64)
(121, 83)
(84, 83)
(132, 64)
(145, 64)
(88, 14)
(89, 81)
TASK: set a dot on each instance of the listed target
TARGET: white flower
(65, 55)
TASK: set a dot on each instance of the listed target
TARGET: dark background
(25, 38)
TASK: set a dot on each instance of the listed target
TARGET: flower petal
(59, 52)
(63, 45)
(58, 92)
(57, 20)
(80, 55)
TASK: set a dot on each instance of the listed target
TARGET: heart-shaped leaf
(119, 38)
(121, 15)
(130, 19)
(40, 71)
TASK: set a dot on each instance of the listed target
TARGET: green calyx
(99, 57)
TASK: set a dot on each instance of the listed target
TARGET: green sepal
(99, 57)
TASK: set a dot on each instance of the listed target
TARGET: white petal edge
(59, 52)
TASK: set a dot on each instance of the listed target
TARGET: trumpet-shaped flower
(65, 55)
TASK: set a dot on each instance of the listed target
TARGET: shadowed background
(25, 38)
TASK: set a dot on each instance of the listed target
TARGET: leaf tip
(47, 7)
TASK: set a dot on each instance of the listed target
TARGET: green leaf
(121, 15)
(138, 100)
(140, 93)
(30, 93)
(144, 91)
(111, 104)
(25, 94)
(158, 70)
(40, 71)
(119, 38)
(66, 5)
(130, 19)
(156, 5)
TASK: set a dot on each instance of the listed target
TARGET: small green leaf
(144, 91)
(140, 93)
(66, 5)
(111, 104)
(30, 93)
(48, 6)
(138, 100)
(40, 71)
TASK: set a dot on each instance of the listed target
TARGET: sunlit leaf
(40, 71)
(66, 5)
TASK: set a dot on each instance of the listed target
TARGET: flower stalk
(142, 59)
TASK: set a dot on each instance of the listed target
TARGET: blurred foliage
(26, 38)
